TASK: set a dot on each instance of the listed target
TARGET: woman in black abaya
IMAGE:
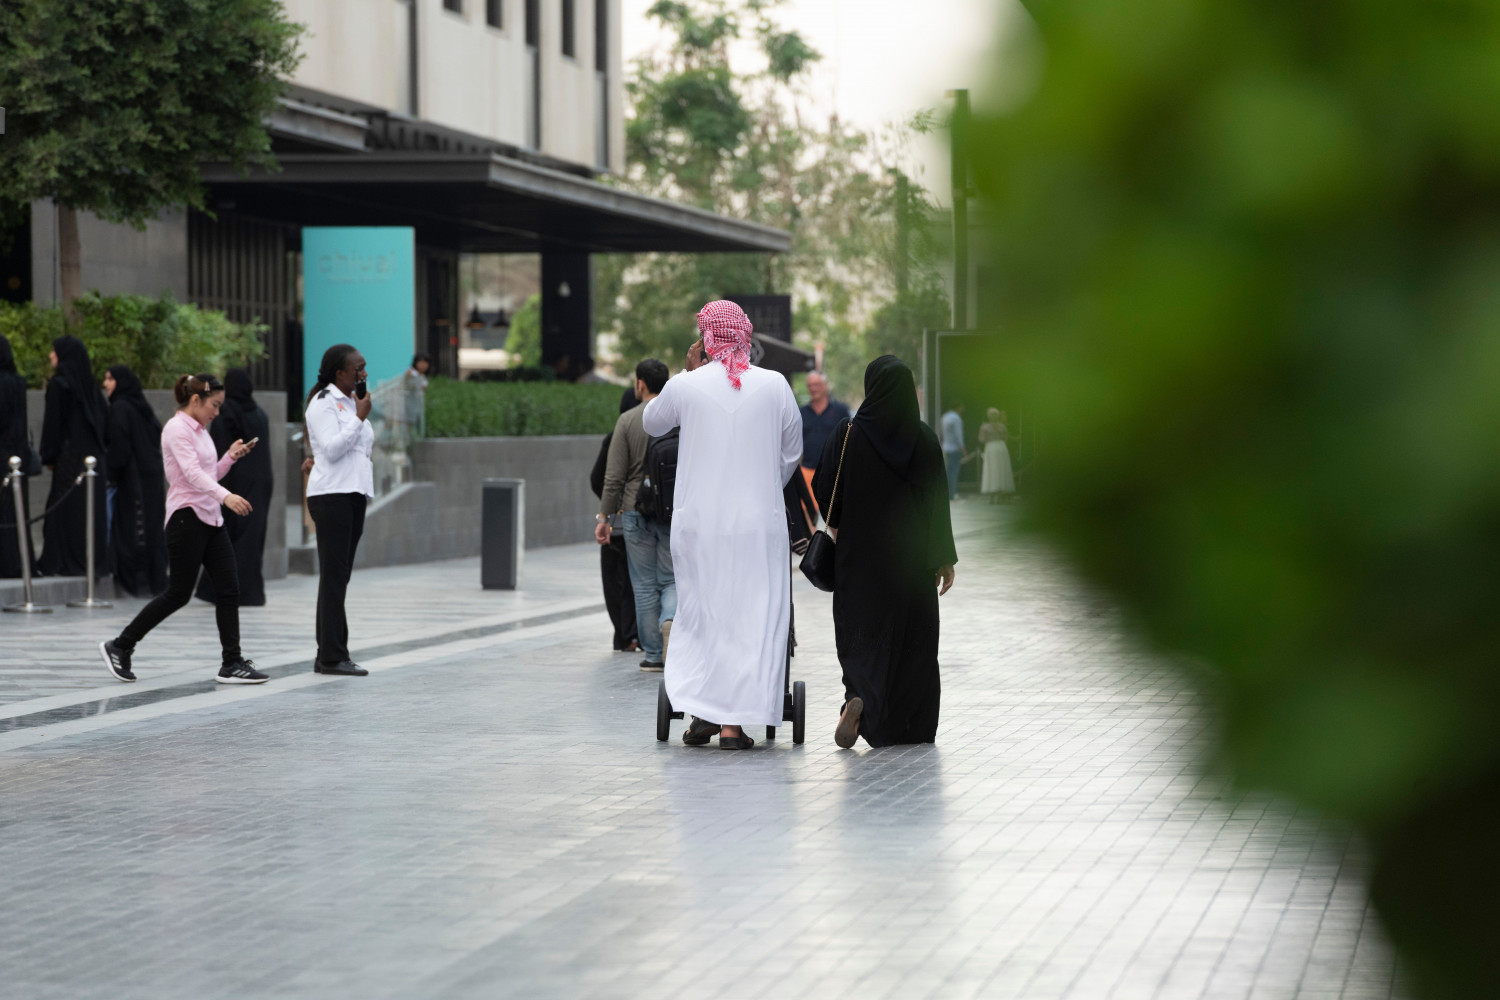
(242, 419)
(137, 532)
(614, 571)
(895, 550)
(73, 428)
(13, 441)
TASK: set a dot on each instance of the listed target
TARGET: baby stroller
(794, 703)
(800, 516)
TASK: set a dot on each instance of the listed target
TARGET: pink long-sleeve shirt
(194, 469)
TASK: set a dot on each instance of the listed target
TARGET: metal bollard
(90, 473)
(23, 538)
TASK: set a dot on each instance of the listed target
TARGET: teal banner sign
(359, 287)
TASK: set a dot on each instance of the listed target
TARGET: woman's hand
(238, 504)
(307, 465)
(362, 406)
(240, 449)
(944, 579)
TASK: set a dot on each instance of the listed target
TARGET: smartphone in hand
(361, 389)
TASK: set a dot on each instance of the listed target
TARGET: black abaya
(614, 567)
(13, 441)
(242, 419)
(137, 533)
(894, 533)
(73, 427)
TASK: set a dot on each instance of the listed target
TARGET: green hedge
(159, 339)
(520, 409)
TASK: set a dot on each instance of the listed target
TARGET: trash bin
(502, 531)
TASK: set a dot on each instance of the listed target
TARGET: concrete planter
(437, 516)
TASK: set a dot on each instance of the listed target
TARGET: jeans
(954, 460)
(191, 544)
(340, 520)
(648, 547)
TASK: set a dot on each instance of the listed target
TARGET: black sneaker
(241, 671)
(344, 668)
(117, 660)
(652, 666)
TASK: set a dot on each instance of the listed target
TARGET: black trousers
(191, 544)
(340, 520)
(619, 597)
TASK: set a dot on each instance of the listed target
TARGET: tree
(112, 106)
(524, 340)
(1247, 256)
(743, 143)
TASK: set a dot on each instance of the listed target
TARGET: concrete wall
(115, 259)
(437, 516)
(274, 561)
(560, 507)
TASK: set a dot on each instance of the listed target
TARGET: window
(569, 29)
(457, 6)
(534, 23)
(601, 35)
(494, 13)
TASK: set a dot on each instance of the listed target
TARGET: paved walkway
(487, 815)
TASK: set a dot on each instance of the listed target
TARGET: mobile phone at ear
(361, 389)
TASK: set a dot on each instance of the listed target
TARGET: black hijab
(238, 387)
(889, 417)
(128, 390)
(77, 373)
(7, 358)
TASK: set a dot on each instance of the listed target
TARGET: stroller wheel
(663, 714)
(799, 711)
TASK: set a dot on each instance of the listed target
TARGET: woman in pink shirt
(196, 535)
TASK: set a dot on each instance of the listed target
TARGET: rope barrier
(66, 493)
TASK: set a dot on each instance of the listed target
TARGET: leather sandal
(740, 742)
(848, 727)
(699, 732)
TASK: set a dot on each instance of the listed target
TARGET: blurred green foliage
(159, 339)
(1248, 255)
(520, 409)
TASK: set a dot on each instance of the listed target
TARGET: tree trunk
(69, 269)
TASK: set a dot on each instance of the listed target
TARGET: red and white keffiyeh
(726, 336)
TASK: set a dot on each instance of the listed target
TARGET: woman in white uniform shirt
(339, 488)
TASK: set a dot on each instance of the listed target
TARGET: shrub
(159, 339)
(1247, 255)
(520, 409)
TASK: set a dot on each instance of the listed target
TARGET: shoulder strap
(839, 471)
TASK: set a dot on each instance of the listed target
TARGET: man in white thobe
(741, 441)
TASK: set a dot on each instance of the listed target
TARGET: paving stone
(488, 815)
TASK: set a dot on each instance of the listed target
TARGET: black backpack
(654, 499)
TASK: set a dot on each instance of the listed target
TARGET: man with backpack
(638, 480)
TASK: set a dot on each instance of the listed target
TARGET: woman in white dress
(998, 481)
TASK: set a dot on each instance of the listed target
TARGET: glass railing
(399, 418)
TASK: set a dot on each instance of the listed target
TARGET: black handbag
(817, 562)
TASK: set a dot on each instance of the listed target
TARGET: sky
(883, 60)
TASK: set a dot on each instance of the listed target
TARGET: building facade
(485, 125)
